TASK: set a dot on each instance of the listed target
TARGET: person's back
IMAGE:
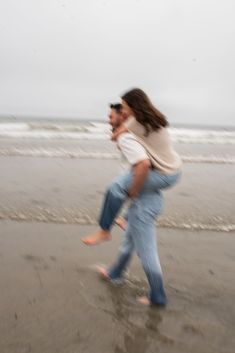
(158, 146)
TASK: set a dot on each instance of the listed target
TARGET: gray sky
(69, 58)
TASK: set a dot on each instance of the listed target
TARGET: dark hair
(116, 106)
(144, 111)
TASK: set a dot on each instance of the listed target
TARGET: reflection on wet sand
(136, 326)
(57, 303)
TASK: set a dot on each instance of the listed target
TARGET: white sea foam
(78, 154)
(71, 216)
(96, 130)
(183, 135)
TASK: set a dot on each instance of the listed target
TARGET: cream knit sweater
(158, 146)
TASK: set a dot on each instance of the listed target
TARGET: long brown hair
(144, 111)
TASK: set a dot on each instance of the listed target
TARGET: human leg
(157, 181)
(116, 193)
(115, 197)
(141, 221)
(124, 257)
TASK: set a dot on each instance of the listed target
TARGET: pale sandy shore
(53, 301)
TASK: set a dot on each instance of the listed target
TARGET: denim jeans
(116, 194)
(140, 233)
(140, 236)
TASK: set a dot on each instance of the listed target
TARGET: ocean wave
(63, 153)
(96, 130)
(183, 135)
(71, 216)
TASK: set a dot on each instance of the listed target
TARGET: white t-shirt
(132, 152)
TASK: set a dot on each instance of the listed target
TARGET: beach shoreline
(52, 299)
(64, 190)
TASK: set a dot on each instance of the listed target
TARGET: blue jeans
(140, 233)
(116, 194)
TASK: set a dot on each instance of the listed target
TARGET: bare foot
(121, 222)
(144, 300)
(102, 271)
(97, 237)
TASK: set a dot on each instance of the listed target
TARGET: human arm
(141, 171)
(117, 132)
(130, 125)
(137, 158)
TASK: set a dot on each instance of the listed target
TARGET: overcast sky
(69, 58)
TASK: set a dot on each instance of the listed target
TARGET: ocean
(40, 131)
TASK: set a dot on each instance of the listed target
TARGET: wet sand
(52, 300)
(71, 191)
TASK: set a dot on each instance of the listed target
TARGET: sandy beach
(75, 78)
(52, 300)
